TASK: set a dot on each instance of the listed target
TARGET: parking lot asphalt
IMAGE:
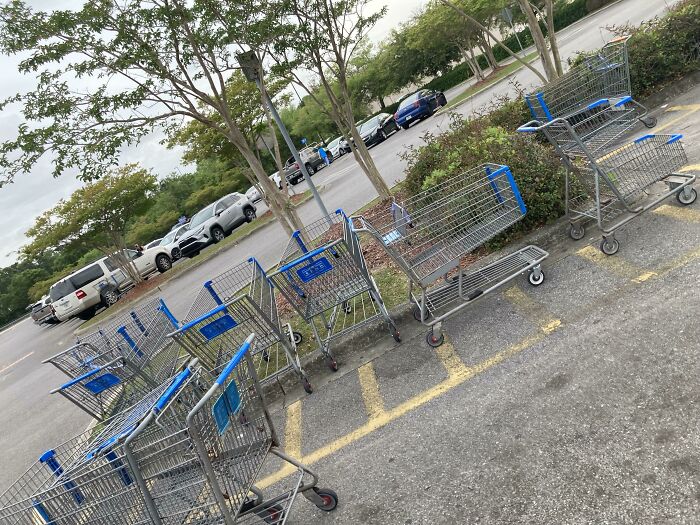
(570, 403)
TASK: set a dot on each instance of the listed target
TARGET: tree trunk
(382, 105)
(480, 26)
(118, 255)
(551, 34)
(474, 62)
(539, 40)
(488, 51)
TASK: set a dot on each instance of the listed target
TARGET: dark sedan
(377, 129)
(420, 105)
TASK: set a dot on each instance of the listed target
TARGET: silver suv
(213, 223)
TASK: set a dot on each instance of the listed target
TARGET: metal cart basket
(323, 275)
(249, 299)
(602, 75)
(111, 383)
(186, 453)
(612, 187)
(428, 235)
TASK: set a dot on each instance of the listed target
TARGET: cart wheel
(576, 231)
(330, 499)
(297, 338)
(535, 281)
(434, 341)
(649, 122)
(416, 313)
(332, 364)
(609, 247)
(266, 356)
(395, 334)
(347, 308)
(685, 201)
(271, 514)
(307, 386)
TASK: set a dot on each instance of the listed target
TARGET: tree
(326, 35)
(96, 216)
(151, 64)
(547, 63)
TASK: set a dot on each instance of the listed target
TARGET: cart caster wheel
(297, 338)
(332, 364)
(395, 334)
(434, 341)
(307, 386)
(609, 247)
(576, 231)
(271, 514)
(329, 497)
(685, 201)
(416, 313)
(649, 122)
(266, 356)
(535, 281)
(347, 309)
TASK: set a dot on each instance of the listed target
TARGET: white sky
(35, 192)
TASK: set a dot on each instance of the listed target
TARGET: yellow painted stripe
(374, 404)
(292, 430)
(615, 264)
(687, 107)
(688, 110)
(690, 167)
(681, 261)
(677, 213)
(450, 359)
(404, 408)
(533, 310)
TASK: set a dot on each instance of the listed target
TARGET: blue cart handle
(88, 374)
(201, 318)
(306, 257)
(172, 389)
(236, 360)
(531, 127)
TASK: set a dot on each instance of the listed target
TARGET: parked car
(253, 194)
(338, 147)
(377, 129)
(421, 104)
(275, 177)
(214, 222)
(171, 241)
(101, 283)
(311, 159)
(42, 311)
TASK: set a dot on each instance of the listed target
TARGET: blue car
(422, 104)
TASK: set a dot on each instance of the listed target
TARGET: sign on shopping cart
(314, 269)
(218, 326)
(227, 406)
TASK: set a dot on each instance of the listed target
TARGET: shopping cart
(612, 186)
(429, 234)
(107, 342)
(112, 382)
(186, 453)
(249, 300)
(576, 95)
(323, 275)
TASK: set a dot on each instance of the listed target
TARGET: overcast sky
(35, 192)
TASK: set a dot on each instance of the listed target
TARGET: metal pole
(293, 149)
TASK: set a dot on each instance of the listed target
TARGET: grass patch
(489, 81)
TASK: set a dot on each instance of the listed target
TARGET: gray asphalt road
(30, 420)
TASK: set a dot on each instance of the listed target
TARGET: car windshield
(334, 143)
(369, 125)
(409, 100)
(168, 238)
(201, 216)
(61, 289)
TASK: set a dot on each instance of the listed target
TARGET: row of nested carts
(182, 433)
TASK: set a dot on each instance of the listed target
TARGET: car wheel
(442, 99)
(88, 314)
(405, 126)
(381, 136)
(217, 234)
(249, 214)
(310, 169)
(163, 263)
(109, 297)
(176, 254)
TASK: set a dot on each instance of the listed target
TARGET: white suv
(101, 283)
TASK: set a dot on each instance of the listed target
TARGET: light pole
(252, 70)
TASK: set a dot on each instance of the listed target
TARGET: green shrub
(469, 143)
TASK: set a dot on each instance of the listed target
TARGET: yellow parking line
(374, 404)
(687, 107)
(453, 380)
(615, 264)
(533, 310)
(690, 167)
(688, 110)
(450, 360)
(679, 214)
(292, 430)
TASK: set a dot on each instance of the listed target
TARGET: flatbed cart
(107, 342)
(113, 382)
(189, 452)
(612, 186)
(249, 299)
(576, 94)
(323, 275)
(429, 234)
